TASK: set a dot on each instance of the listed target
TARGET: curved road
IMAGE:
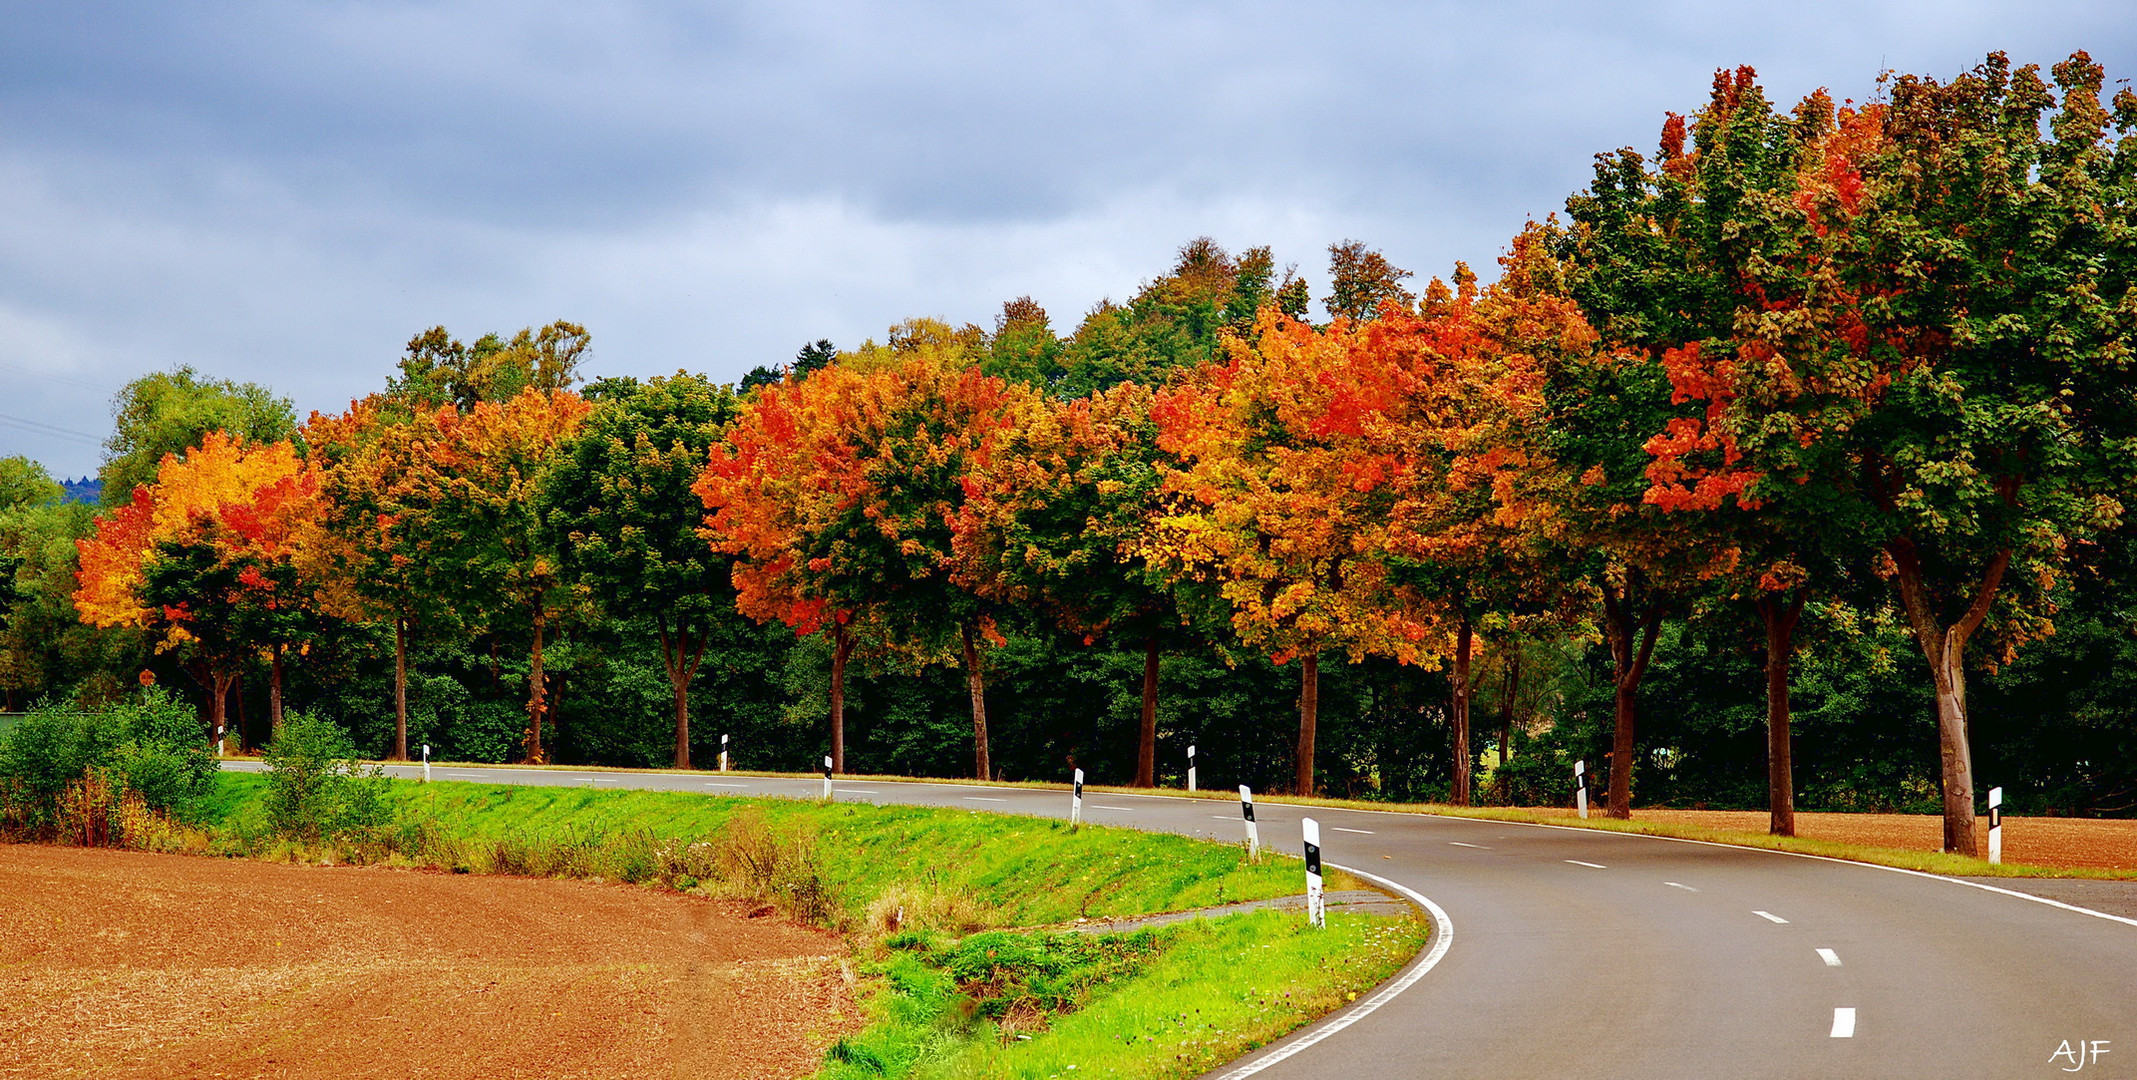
(1578, 953)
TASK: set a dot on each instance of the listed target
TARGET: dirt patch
(2037, 841)
(121, 964)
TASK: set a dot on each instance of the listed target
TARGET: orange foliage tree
(469, 493)
(1057, 527)
(1281, 502)
(841, 494)
(208, 560)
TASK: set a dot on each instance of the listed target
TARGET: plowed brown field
(121, 964)
(2035, 841)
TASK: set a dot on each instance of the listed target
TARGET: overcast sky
(285, 192)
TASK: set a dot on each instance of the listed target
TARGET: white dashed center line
(1770, 917)
(1680, 885)
(1363, 832)
(1479, 847)
(1597, 866)
(982, 798)
(1222, 817)
(1843, 1023)
(1831, 958)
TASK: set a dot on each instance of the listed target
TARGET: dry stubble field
(123, 964)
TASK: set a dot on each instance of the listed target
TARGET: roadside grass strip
(998, 870)
(958, 918)
(1215, 989)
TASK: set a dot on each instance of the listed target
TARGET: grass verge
(939, 904)
(973, 869)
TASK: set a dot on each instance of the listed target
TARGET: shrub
(316, 788)
(149, 748)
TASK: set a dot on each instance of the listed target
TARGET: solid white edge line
(1831, 958)
(1361, 832)
(256, 767)
(1843, 1023)
(1442, 937)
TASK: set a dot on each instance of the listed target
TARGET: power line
(35, 428)
(69, 380)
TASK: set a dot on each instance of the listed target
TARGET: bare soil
(2073, 843)
(124, 964)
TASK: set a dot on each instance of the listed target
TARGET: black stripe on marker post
(1313, 859)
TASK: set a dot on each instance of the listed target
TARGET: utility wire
(35, 428)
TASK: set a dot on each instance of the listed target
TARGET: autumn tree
(619, 499)
(1715, 268)
(205, 558)
(479, 486)
(1279, 504)
(886, 441)
(1945, 336)
(1056, 526)
(375, 560)
(1449, 401)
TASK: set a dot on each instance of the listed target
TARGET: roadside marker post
(426, 763)
(222, 747)
(1316, 915)
(827, 778)
(1076, 802)
(1995, 825)
(723, 753)
(1246, 808)
(1580, 785)
(1190, 767)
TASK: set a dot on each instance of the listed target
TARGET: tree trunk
(535, 754)
(237, 691)
(1509, 695)
(977, 683)
(400, 689)
(1631, 645)
(274, 692)
(1146, 743)
(1309, 719)
(1464, 636)
(1945, 649)
(841, 649)
(1780, 618)
(681, 652)
(218, 705)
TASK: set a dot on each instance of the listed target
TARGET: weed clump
(316, 787)
(135, 774)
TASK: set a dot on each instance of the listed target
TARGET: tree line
(1851, 377)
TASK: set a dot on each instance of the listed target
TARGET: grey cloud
(284, 191)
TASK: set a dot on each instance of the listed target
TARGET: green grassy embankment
(926, 896)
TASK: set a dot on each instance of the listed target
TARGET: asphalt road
(1576, 953)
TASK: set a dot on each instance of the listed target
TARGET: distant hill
(88, 489)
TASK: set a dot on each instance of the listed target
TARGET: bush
(149, 749)
(316, 788)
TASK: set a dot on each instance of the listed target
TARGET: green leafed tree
(170, 412)
(619, 502)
